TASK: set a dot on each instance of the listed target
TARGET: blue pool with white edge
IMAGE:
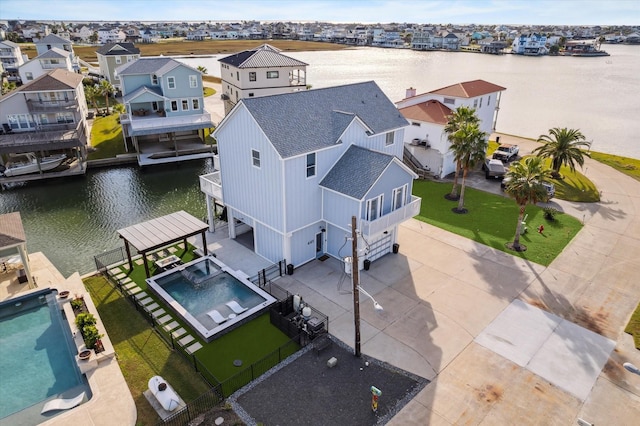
(210, 296)
(37, 358)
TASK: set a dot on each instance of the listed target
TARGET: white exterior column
(231, 220)
(286, 250)
(210, 214)
(25, 262)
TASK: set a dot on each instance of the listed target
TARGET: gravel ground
(304, 391)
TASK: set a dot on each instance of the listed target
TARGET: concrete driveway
(442, 291)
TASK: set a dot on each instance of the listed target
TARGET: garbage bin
(367, 264)
(290, 269)
(396, 247)
(497, 139)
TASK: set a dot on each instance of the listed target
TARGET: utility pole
(354, 276)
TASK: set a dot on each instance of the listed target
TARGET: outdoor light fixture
(376, 305)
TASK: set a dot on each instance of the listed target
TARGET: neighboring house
(111, 56)
(422, 40)
(428, 113)
(53, 40)
(111, 35)
(295, 168)
(260, 72)
(530, 44)
(46, 115)
(11, 58)
(42, 64)
(165, 110)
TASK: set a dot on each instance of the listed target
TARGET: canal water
(72, 220)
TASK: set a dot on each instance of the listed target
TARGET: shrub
(550, 213)
(91, 335)
(77, 303)
(83, 320)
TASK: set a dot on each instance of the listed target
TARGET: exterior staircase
(412, 162)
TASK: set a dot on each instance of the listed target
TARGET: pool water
(37, 356)
(204, 285)
(201, 295)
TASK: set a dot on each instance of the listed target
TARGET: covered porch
(15, 269)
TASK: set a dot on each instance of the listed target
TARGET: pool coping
(208, 335)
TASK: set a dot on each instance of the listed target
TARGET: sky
(534, 12)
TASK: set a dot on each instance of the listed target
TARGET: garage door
(380, 247)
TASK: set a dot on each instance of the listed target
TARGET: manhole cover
(237, 362)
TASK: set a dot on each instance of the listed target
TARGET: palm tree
(525, 186)
(91, 94)
(460, 116)
(106, 89)
(564, 147)
(202, 69)
(473, 146)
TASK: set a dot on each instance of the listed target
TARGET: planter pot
(63, 294)
(85, 354)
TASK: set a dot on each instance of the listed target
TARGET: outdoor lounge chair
(235, 307)
(62, 404)
(164, 393)
(216, 316)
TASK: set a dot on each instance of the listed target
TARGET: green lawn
(633, 328)
(492, 220)
(106, 137)
(141, 353)
(208, 91)
(626, 165)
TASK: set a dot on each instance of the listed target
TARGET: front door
(319, 240)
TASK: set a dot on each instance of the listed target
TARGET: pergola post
(128, 249)
(146, 265)
(204, 243)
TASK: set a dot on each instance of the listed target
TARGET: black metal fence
(198, 406)
(111, 257)
(267, 274)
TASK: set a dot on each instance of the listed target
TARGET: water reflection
(73, 219)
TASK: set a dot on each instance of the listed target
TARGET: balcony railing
(35, 105)
(211, 184)
(393, 218)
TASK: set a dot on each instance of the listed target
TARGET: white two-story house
(43, 63)
(429, 113)
(55, 41)
(11, 58)
(111, 56)
(165, 119)
(259, 72)
(295, 168)
(533, 44)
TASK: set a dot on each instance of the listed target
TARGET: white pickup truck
(494, 169)
(506, 152)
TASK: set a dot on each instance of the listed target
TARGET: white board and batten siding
(268, 243)
(335, 243)
(379, 143)
(393, 177)
(338, 209)
(303, 244)
(257, 192)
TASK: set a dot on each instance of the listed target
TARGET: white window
(116, 77)
(488, 99)
(195, 103)
(20, 121)
(449, 101)
(171, 82)
(64, 117)
(374, 208)
(238, 75)
(311, 164)
(390, 138)
(185, 104)
(118, 59)
(399, 197)
(413, 123)
(252, 76)
(273, 74)
(29, 75)
(193, 81)
(154, 79)
(129, 58)
(174, 105)
(255, 158)
(475, 103)
(480, 103)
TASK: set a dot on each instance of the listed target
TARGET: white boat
(31, 165)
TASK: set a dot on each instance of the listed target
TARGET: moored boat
(34, 165)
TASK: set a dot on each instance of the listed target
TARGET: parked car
(506, 152)
(494, 169)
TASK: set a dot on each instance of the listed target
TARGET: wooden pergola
(157, 233)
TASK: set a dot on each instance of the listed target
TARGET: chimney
(411, 92)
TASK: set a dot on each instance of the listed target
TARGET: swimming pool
(37, 358)
(202, 292)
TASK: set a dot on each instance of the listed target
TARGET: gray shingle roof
(264, 56)
(158, 66)
(53, 38)
(302, 122)
(144, 89)
(54, 53)
(118, 49)
(356, 171)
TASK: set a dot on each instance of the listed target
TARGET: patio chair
(235, 307)
(62, 404)
(216, 316)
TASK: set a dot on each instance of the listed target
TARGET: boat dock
(75, 168)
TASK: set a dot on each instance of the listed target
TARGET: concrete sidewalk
(441, 292)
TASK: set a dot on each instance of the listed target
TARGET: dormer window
(154, 79)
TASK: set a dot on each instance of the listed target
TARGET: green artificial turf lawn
(141, 353)
(491, 220)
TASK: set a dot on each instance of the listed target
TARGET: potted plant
(91, 336)
(77, 303)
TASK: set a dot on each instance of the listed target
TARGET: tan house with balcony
(262, 71)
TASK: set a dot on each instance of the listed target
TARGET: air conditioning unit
(415, 141)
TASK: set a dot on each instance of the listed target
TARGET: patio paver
(140, 295)
(136, 291)
(121, 275)
(114, 271)
(191, 349)
(171, 325)
(186, 340)
(179, 332)
(146, 301)
(164, 319)
(151, 307)
(158, 312)
(130, 286)
(139, 261)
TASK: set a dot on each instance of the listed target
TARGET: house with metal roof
(111, 56)
(262, 71)
(46, 116)
(426, 143)
(165, 119)
(295, 168)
